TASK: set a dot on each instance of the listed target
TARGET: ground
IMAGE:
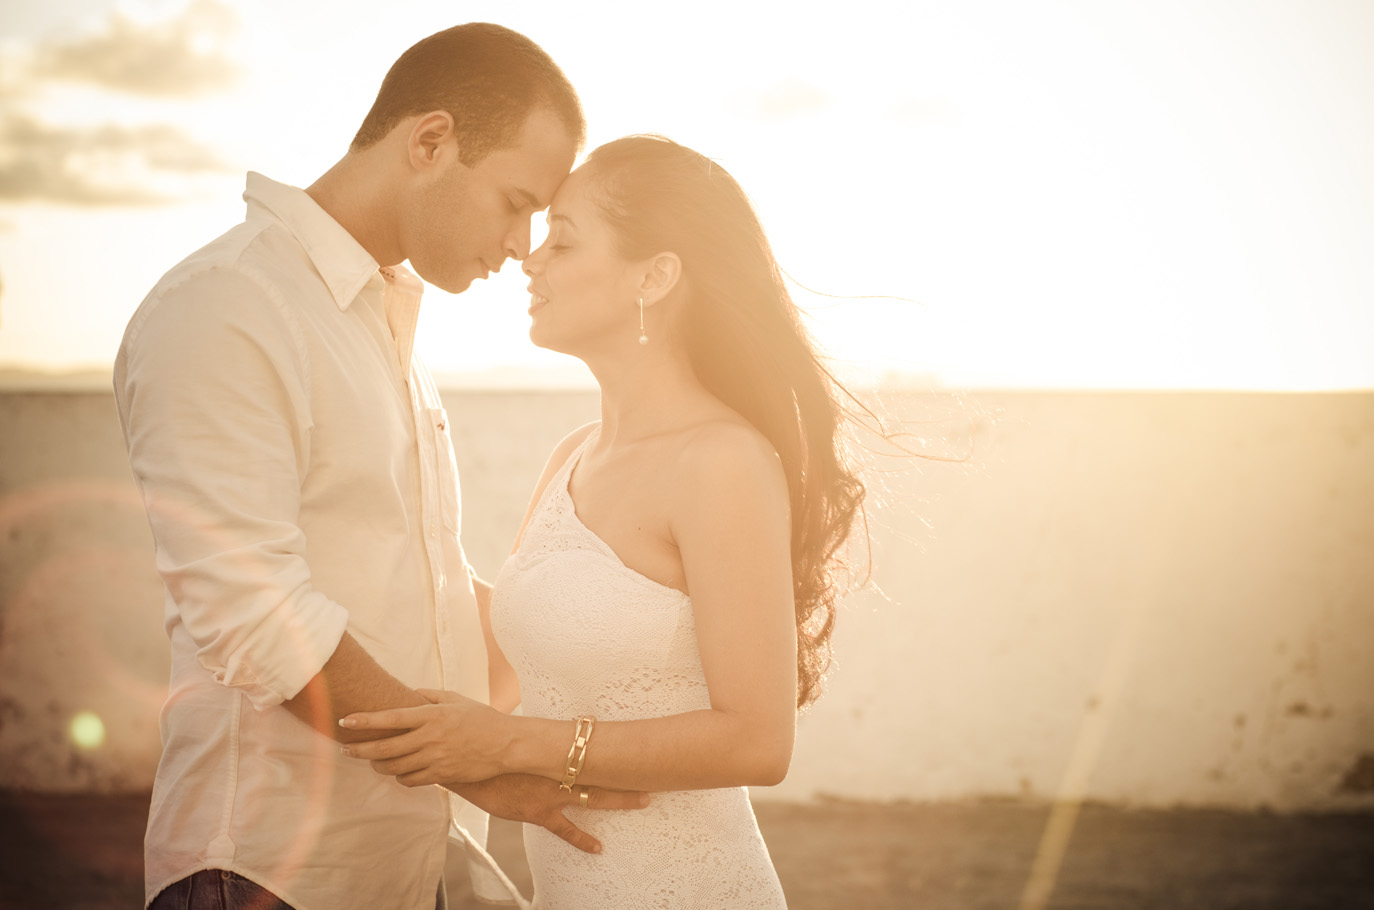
(85, 853)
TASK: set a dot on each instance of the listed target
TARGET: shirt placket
(402, 298)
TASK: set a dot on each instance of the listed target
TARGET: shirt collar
(401, 297)
(340, 260)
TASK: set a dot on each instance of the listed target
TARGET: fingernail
(644, 801)
(596, 848)
(347, 722)
(346, 752)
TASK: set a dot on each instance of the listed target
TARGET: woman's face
(583, 296)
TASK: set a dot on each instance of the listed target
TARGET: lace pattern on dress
(588, 635)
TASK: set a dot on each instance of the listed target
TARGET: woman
(670, 599)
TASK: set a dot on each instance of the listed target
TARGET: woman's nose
(527, 265)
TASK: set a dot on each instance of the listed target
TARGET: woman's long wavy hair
(748, 347)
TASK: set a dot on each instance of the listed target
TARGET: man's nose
(517, 244)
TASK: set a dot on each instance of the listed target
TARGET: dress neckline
(564, 488)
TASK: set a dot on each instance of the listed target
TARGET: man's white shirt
(297, 468)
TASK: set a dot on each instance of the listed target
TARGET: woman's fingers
(422, 778)
(391, 747)
(391, 719)
(417, 769)
(417, 751)
(398, 766)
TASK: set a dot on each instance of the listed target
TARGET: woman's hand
(455, 739)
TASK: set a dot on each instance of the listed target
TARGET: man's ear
(661, 273)
(432, 137)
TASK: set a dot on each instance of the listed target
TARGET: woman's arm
(502, 684)
(729, 519)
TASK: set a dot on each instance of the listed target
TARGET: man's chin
(452, 285)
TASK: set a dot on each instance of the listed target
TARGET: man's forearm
(350, 681)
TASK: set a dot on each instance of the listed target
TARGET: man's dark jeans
(216, 889)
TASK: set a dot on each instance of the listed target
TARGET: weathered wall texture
(1141, 598)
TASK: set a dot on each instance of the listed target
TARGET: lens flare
(87, 730)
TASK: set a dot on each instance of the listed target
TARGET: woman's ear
(429, 136)
(661, 274)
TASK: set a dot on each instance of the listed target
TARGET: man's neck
(354, 194)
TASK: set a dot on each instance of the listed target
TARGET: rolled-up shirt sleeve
(212, 387)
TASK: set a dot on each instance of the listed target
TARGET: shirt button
(432, 532)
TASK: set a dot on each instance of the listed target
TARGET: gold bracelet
(577, 755)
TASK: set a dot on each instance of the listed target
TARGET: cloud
(789, 98)
(91, 161)
(909, 110)
(104, 165)
(181, 57)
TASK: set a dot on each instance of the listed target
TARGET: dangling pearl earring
(643, 339)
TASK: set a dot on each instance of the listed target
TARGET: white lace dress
(588, 635)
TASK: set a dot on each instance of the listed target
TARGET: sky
(1026, 193)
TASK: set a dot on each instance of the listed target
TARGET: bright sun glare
(1061, 193)
(87, 730)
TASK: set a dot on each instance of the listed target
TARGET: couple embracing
(342, 682)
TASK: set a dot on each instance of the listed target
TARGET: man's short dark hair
(489, 78)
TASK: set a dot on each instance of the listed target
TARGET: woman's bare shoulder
(560, 454)
(568, 444)
(727, 453)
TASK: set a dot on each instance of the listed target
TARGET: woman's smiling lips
(536, 300)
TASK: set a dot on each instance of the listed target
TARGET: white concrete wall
(1140, 598)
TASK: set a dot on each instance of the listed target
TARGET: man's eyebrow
(530, 199)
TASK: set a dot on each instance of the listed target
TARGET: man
(296, 465)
